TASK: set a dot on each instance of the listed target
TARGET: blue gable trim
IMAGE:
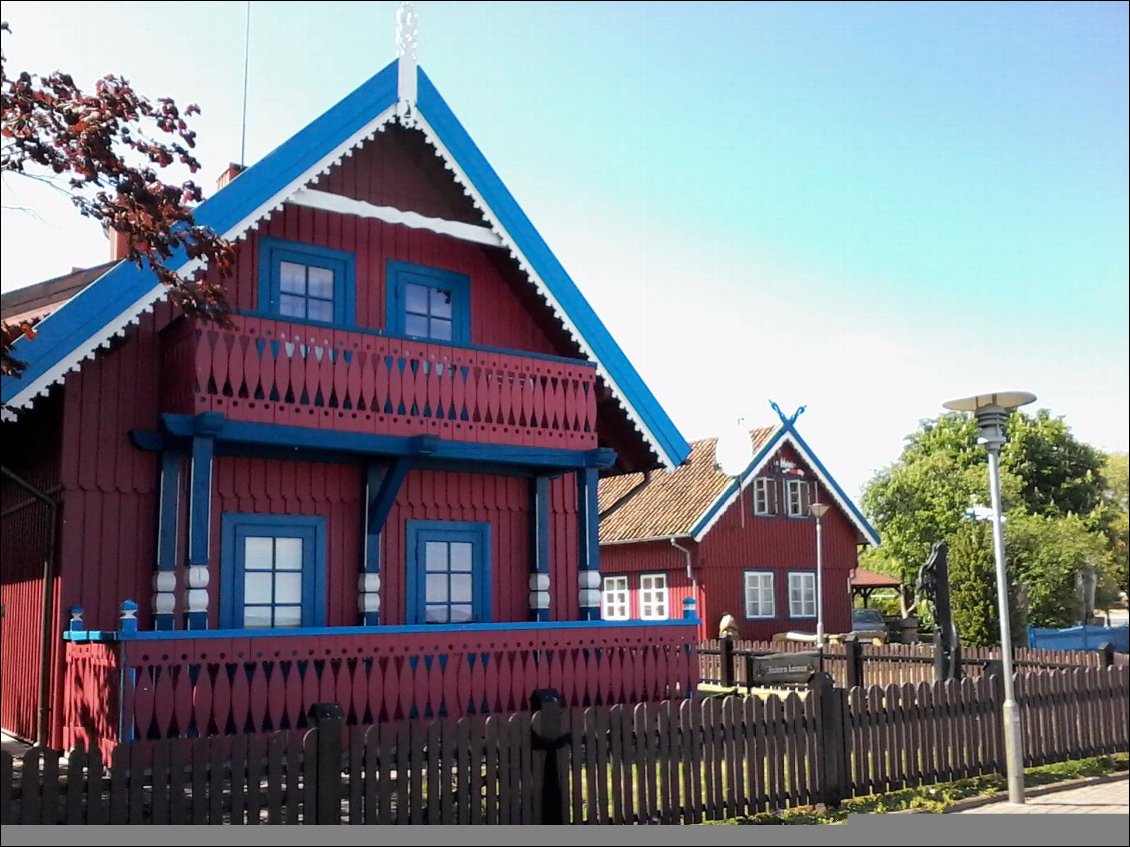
(768, 448)
(500, 201)
(855, 513)
(67, 329)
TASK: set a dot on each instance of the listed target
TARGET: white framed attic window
(798, 497)
(765, 496)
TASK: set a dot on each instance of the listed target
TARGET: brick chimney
(231, 172)
(119, 244)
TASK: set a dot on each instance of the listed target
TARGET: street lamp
(818, 510)
(992, 411)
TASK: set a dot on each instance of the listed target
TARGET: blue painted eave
(478, 170)
(84, 316)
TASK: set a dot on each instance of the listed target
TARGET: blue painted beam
(539, 539)
(375, 477)
(168, 512)
(596, 627)
(380, 503)
(421, 446)
(199, 517)
(588, 532)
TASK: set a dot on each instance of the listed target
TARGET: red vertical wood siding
(777, 543)
(26, 527)
(505, 312)
(632, 560)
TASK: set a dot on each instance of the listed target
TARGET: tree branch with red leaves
(104, 150)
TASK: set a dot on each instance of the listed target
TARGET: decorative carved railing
(270, 371)
(230, 683)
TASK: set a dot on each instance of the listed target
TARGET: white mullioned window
(759, 599)
(614, 605)
(765, 496)
(798, 496)
(653, 597)
(802, 594)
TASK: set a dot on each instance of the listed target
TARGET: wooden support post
(327, 721)
(726, 658)
(853, 658)
(1106, 652)
(548, 739)
(831, 746)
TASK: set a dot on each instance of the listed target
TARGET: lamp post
(992, 411)
(818, 511)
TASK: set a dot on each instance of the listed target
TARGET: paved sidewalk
(1109, 797)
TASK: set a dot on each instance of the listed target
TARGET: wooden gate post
(1106, 654)
(327, 721)
(726, 658)
(547, 703)
(831, 744)
(853, 658)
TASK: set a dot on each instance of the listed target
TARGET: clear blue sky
(865, 208)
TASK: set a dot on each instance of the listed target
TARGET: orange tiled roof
(864, 578)
(673, 501)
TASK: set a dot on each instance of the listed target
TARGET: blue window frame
(305, 282)
(274, 571)
(448, 572)
(429, 303)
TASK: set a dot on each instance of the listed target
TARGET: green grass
(938, 798)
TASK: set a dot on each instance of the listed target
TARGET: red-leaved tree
(103, 150)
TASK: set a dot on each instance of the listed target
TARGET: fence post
(994, 670)
(548, 703)
(1106, 654)
(726, 658)
(327, 720)
(831, 728)
(853, 659)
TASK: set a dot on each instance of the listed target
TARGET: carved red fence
(301, 375)
(190, 687)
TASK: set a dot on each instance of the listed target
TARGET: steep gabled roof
(124, 292)
(671, 503)
(35, 302)
(688, 501)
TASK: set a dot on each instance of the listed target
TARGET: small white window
(653, 597)
(765, 496)
(799, 496)
(802, 594)
(759, 602)
(614, 599)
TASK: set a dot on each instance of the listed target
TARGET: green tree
(973, 587)
(1056, 491)
(1116, 495)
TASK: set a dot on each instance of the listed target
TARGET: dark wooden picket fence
(727, 664)
(672, 762)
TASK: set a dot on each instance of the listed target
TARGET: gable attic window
(429, 303)
(798, 497)
(305, 282)
(765, 496)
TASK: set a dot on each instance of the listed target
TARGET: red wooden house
(378, 487)
(747, 550)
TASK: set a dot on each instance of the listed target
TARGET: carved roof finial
(406, 56)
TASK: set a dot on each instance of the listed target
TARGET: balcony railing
(269, 371)
(151, 685)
